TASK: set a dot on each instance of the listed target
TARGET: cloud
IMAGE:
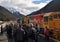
(24, 6)
(27, 10)
(41, 1)
(38, 1)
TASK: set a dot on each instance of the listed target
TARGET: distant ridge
(53, 6)
(16, 13)
(6, 14)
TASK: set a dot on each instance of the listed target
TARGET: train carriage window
(31, 17)
(58, 16)
(50, 18)
(45, 19)
(41, 16)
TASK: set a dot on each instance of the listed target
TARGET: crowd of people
(22, 33)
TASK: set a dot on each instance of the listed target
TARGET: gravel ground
(3, 38)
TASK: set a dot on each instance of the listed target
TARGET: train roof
(47, 14)
(51, 13)
(39, 15)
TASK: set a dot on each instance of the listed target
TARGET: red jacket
(47, 33)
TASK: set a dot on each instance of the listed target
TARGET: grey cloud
(31, 8)
(23, 8)
(21, 5)
(27, 10)
(5, 3)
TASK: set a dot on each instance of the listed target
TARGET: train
(38, 19)
(50, 20)
(26, 20)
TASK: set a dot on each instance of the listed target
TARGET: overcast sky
(25, 6)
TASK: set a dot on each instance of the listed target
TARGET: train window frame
(41, 16)
(31, 18)
(46, 20)
(50, 18)
(58, 16)
(55, 16)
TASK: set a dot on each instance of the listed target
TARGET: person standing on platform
(20, 34)
(26, 33)
(15, 33)
(9, 33)
(1, 29)
(52, 33)
(47, 34)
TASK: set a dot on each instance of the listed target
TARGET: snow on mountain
(16, 13)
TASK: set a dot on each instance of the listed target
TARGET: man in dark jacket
(20, 34)
(26, 33)
(51, 33)
(15, 33)
(1, 29)
(9, 33)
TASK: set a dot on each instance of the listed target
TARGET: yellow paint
(54, 23)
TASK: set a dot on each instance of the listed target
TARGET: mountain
(5, 14)
(18, 14)
(53, 6)
(11, 9)
(15, 12)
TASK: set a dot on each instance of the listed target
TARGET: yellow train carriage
(26, 20)
(57, 24)
(57, 20)
(48, 20)
(52, 21)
